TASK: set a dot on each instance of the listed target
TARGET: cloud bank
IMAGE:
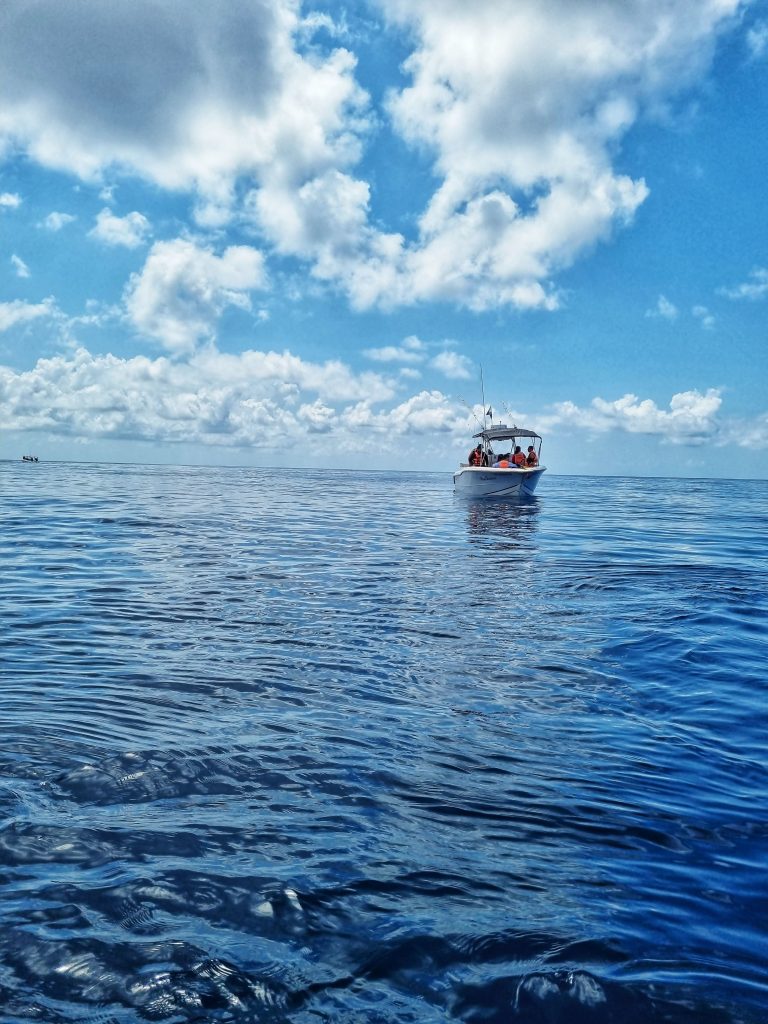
(264, 400)
(691, 418)
(255, 400)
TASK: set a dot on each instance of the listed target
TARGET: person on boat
(518, 458)
(531, 459)
(475, 457)
(503, 461)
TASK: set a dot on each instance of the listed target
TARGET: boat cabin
(501, 432)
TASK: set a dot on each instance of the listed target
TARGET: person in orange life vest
(503, 461)
(518, 458)
(475, 457)
(531, 458)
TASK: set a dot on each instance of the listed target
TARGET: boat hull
(484, 482)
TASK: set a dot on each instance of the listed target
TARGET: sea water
(334, 746)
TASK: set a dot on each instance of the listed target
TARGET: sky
(262, 233)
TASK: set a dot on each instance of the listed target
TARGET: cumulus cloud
(184, 288)
(412, 350)
(18, 312)
(317, 417)
(428, 412)
(755, 288)
(9, 200)
(453, 365)
(257, 399)
(190, 96)
(264, 400)
(521, 116)
(21, 268)
(522, 111)
(130, 230)
(664, 309)
(519, 110)
(690, 419)
(55, 221)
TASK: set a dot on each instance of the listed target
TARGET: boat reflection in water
(514, 524)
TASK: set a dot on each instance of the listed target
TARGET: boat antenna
(482, 392)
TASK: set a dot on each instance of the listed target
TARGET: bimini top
(504, 433)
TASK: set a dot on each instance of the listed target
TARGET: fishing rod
(472, 411)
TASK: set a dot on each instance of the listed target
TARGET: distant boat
(498, 477)
(29, 458)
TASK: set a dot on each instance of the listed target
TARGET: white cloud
(258, 399)
(184, 288)
(690, 419)
(453, 365)
(757, 39)
(705, 318)
(56, 221)
(755, 288)
(331, 380)
(317, 417)
(521, 140)
(314, 21)
(428, 412)
(21, 268)
(412, 350)
(130, 230)
(523, 113)
(9, 200)
(664, 309)
(520, 111)
(18, 312)
(751, 434)
(191, 96)
(267, 400)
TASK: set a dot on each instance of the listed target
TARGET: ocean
(312, 746)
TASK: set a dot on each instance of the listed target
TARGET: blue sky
(247, 233)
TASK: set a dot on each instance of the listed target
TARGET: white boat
(505, 480)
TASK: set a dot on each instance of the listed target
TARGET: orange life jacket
(519, 459)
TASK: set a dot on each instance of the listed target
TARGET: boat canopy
(504, 433)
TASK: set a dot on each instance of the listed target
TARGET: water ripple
(300, 746)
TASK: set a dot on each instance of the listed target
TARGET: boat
(505, 480)
(29, 458)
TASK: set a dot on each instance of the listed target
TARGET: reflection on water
(512, 519)
(339, 747)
